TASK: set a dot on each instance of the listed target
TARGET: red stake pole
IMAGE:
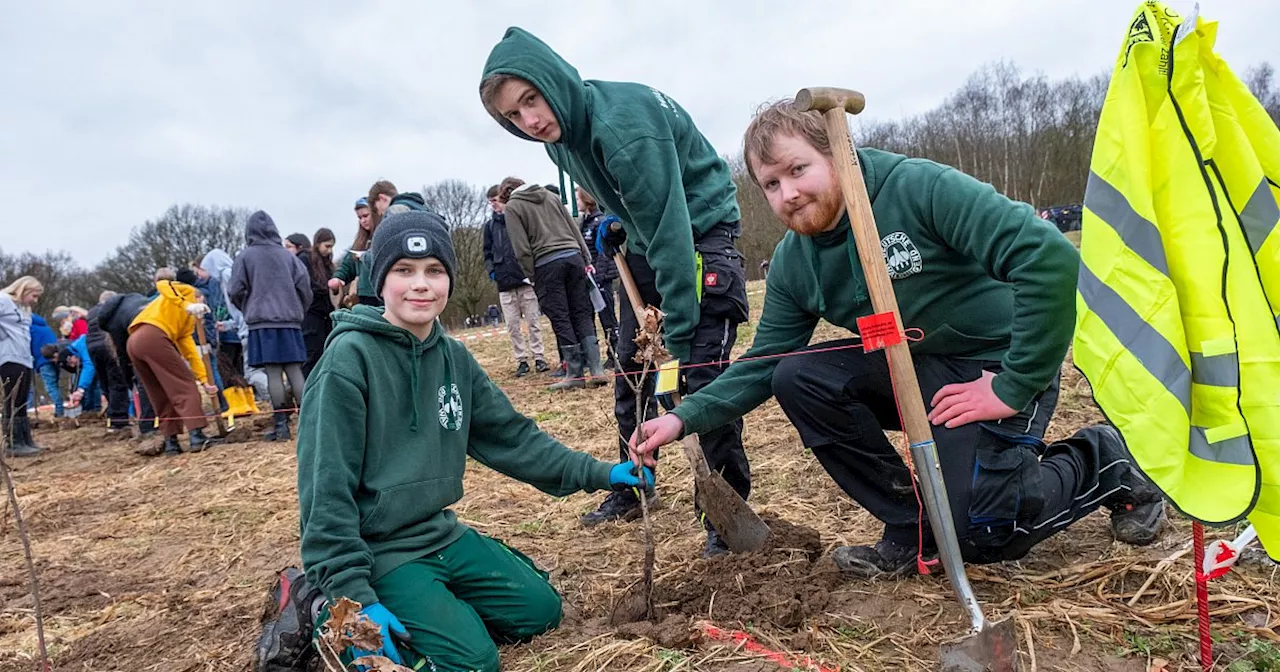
(1202, 598)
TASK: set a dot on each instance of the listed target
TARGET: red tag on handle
(879, 331)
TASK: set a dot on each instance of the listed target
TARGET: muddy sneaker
(715, 545)
(522, 370)
(541, 366)
(621, 506)
(285, 643)
(886, 558)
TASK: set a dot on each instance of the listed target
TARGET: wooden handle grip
(823, 98)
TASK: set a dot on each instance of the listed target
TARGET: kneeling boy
(390, 414)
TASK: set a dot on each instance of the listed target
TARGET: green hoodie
(386, 427)
(353, 267)
(640, 154)
(982, 276)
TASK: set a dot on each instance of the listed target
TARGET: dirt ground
(153, 563)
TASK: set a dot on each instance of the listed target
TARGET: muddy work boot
(199, 441)
(591, 363)
(171, 446)
(285, 642)
(280, 430)
(1137, 508)
(885, 559)
(622, 506)
(14, 443)
(715, 545)
(572, 380)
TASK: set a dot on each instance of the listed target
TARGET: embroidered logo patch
(450, 407)
(711, 279)
(900, 255)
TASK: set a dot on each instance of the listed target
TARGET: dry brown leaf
(379, 664)
(347, 627)
(1158, 665)
(648, 340)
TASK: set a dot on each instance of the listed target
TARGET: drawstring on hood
(370, 320)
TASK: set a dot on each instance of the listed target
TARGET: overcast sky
(114, 110)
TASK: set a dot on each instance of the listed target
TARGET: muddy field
(151, 563)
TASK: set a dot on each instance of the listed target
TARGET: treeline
(1027, 135)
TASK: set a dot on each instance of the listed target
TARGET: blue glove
(390, 626)
(607, 239)
(623, 476)
(491, 277)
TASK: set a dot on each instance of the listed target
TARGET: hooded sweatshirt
(388, 422)
(169, 312)
(80, 348)
(640, 154)
(15, 332)
(218, 264)
(540, 230)
(268, 283)
(41, 335)
(981, 276)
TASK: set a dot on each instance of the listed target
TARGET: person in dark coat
(273, 289)
(606, 271)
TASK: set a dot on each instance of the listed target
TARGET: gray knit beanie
(412, 235)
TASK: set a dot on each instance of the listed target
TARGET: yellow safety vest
(1179, 286)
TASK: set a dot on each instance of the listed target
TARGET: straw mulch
(164, 563)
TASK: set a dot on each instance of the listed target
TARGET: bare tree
(1261, 80)
(65, 282)
(183, 234)
(459, 203)
(465, 209)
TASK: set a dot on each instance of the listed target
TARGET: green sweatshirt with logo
(386, 427)
(982, 276)
(640, 154)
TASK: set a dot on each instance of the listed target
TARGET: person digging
(992, 288)
(390, 415)
(640, 154)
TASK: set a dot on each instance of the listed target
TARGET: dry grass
(163, 564)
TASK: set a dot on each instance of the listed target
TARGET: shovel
(738, 525)
(989, 647)
(208, 366)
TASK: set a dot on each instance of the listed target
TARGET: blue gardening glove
(610, 236)
(390, 627)
(623, 476)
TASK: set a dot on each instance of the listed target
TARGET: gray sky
(115, 110)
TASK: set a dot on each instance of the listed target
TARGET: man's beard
(820, 215)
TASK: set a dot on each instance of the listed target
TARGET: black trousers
(723, 308)
(608, 316)
(113, 378)
(1008, 490)
(15, 383)
(561, 286)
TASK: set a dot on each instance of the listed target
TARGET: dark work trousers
(116, 386)
(1008, 490)
(561, 286)
(723, 308)
(609, 315)
(15, 386)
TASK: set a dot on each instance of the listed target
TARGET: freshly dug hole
(782, 584)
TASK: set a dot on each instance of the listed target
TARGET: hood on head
(533, 193)
(261, 230)
(529, 58)
(217, 263)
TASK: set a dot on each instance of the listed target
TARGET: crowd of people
(391, 408)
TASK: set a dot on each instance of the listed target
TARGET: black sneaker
(522, 370)
(541, 366)
(285, 643)
(622, 506)
(715, 545)
(171, 446)
(886, 558)
(1137, 508)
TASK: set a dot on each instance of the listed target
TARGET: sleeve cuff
(1014, 393)
(600, 476)
(356, 590)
